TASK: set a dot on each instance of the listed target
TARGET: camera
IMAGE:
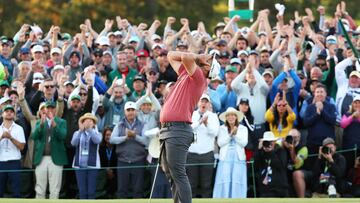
(289, 139)
(266, 144)
(325, 150)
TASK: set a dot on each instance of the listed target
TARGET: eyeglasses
(49, 86)
(152, 73)
(82, 94)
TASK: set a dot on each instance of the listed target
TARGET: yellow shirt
(280, 133)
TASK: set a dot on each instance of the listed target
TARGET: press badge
(85, 152)
(116, 119)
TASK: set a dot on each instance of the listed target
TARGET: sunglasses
(320, 64)
(152, 73)
(49, 86)
(82, 94)
(98, 55)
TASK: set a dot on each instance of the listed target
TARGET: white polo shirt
(8, 151)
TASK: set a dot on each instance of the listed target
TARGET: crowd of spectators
(80, 112)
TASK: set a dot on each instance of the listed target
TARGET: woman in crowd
(87, 159)
(248, 122)
(107, 177)
(231, 176)
(350, 122)
(280, 117)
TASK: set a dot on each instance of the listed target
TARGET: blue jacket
(227, 99)
(100, 86)
(320, 126)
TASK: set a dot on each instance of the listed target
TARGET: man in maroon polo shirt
(176, 134)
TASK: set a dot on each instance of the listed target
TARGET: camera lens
(289, 139)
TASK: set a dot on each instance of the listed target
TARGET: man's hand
(202, 59)
(20, 90)
(130, 133)
(108, 24)
(204, 120)
(6, 134)
(170, 20)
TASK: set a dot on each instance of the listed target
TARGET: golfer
(176, 134)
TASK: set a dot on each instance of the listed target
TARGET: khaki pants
(46, 172)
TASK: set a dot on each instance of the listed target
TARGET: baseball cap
(38, 78)
(134, 39)
(37, 48)
(327, 141)
(251, 52)
(231, 69)
(356, 98)
(235, 60)
(75, 96)
(355, 73)
(142, 53)
(244, 101)
(98, 52)
(4, 40)
(155, 37)
(75, 53)
(268, 72)
(161, 46)
(110, 34)
(50, 104)
(107, 52)
(219, 25)
(205, 96)
(24, 50)
(58, 67)
(182, 44)
(118, 33)
(55, 50)
(224, 54)
(69, 83)
(241, 52)
(4, 100)
(4, 83)
(8, 107)
(139, 77)
(130, 105)
(331, 39)
(221, 43)
(103, 41)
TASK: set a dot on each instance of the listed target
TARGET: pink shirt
(346, 121)
(183, 97)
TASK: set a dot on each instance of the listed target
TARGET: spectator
(248, 122)
(255, 90)
(320, 118)
(139, 87)
(350, 122)
(86, 140)
(270, 162)
(50, 154)
(355, 178)
(46, 92)
(123, 71)
(12, 141)
(297, 154)
(108, 161)
(130, 150)
(206, 126)
(231, 176)
(280, 116)
(225, 91)
(329, 171)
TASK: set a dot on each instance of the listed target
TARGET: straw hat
(231, 110)
(88, 116)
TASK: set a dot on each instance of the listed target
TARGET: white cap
(332, 39)
(268, 72)
(205, 96)
(130, 105)
(110, 33)
(58, 67)
(116, 33)
(69, 83)
(107, 52)
(37, 48)
(157, 45)
(268, 136)
(38, 78)
(4, 99)
(356, 98)
(55, 50)
(214, 51)
(242, 52)
(36, 29)
(134, 39)
(102, 40)
(155, 37)
(235, 60)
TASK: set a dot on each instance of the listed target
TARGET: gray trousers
(175, 142)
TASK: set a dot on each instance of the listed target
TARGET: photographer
(329, 170)
(270, 163)
(297, 154)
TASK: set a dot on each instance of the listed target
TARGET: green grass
(257, 200)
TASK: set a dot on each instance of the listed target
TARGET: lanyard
(108, 153)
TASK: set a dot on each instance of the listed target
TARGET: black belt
(174, 123)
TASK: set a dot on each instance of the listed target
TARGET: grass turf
(250, 200)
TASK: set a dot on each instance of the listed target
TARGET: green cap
(4, 83)
(231, 68)
(50, 104)
(7, 107)
(75, 96)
